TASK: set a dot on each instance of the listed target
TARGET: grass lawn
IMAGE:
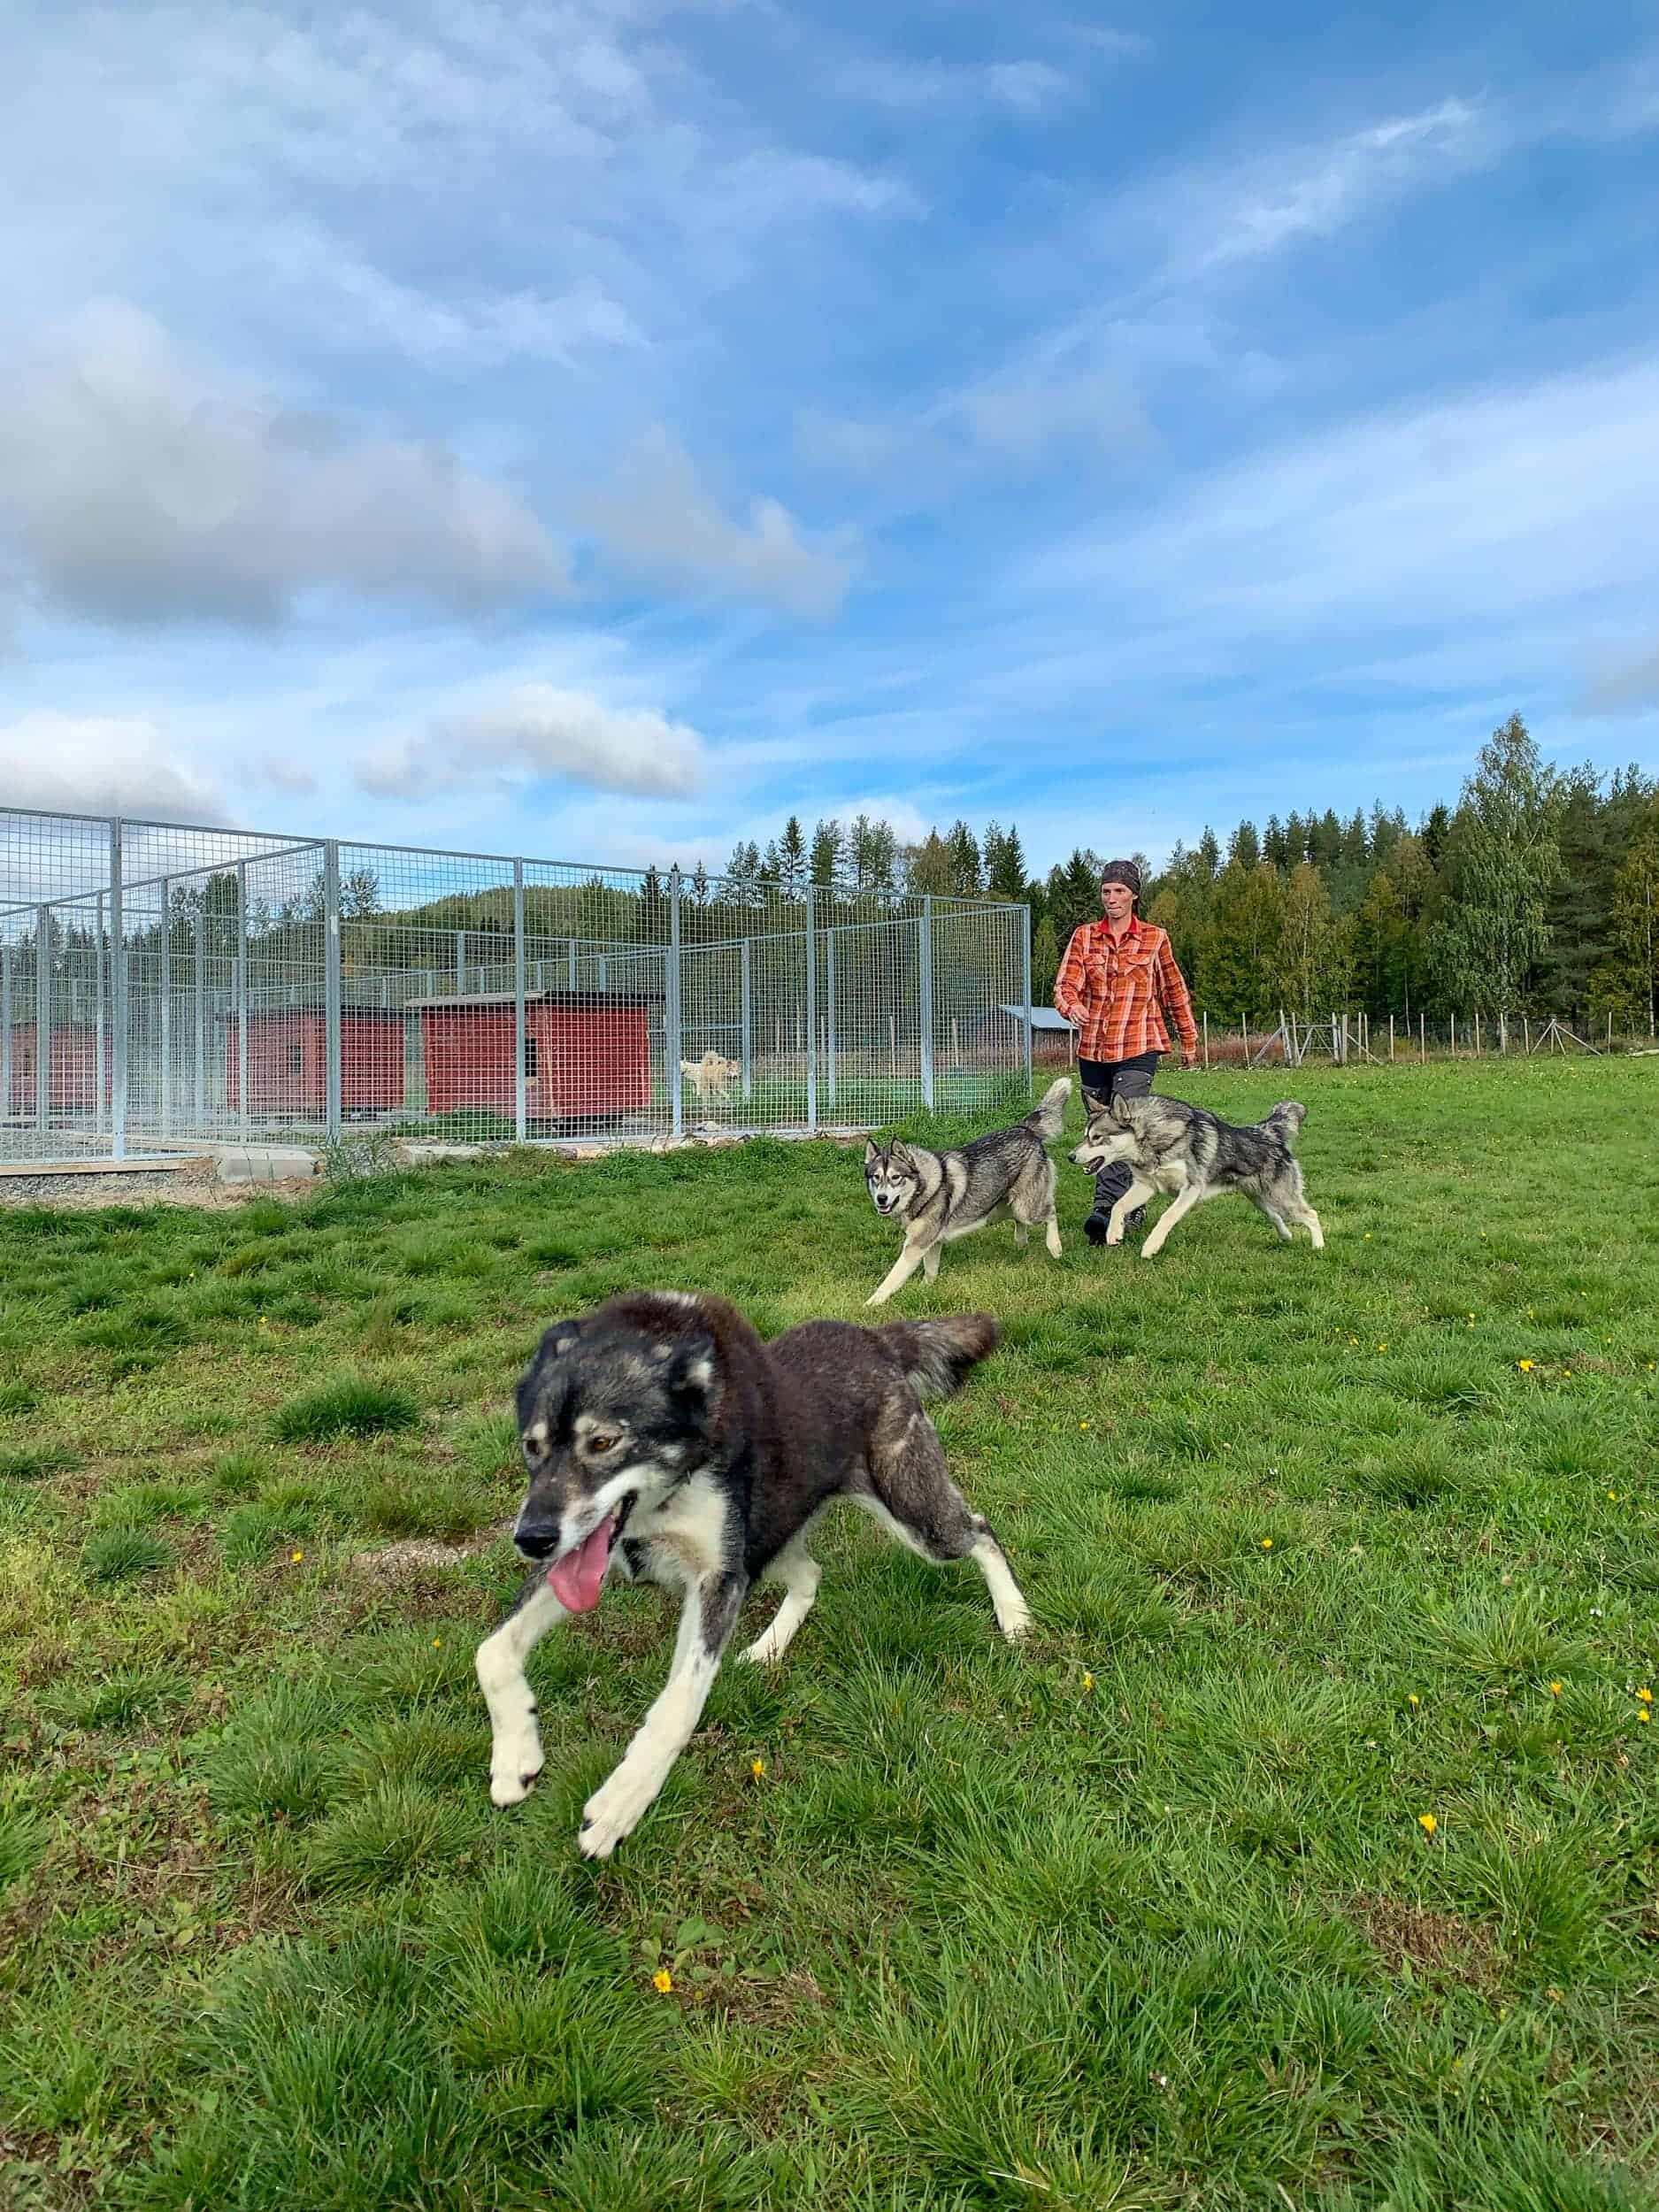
(1306, 1858)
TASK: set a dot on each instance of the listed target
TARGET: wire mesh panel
(162, 984)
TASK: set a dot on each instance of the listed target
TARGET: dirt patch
(192, 1183)
(1430, 1942)
(418, 1555)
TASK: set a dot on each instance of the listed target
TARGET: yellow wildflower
(295, 1556)
(1526, 1366)
(1554, 1689)
(663, 1979)
(1413, 1699)
(1427, 1823)
(437, 1643)
(1082, 1425)
(757, 1768)
(1088, 1681)
(1642, 1714)
(1646, 1696)
(1267, 1543)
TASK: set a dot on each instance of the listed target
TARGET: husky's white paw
(613, 1811)
(514, 1766)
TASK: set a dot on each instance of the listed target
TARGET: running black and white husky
(1170, 1146)
(941, 1196)
(666, 1443)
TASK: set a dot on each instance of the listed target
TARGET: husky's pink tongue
(575, 1579)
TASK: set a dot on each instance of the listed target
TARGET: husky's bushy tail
(1287, 1116)
(1048, 1120)
(939, 1355)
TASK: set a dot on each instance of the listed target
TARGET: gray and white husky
(665, 1443)
(941, 1196)
(1170, 1146)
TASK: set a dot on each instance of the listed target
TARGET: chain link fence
(161, 985)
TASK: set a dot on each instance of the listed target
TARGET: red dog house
(586, 1053)
(73, 1061)
(288, 1063)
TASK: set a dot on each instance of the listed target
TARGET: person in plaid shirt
(1116, 984)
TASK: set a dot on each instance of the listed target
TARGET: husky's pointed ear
(899, 1152)
(872, 1151)
(1122, 1112)
(1093, 1105)
(556, 1342)
(692, 1375)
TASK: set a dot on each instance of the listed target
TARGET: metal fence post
(242, 990)
(199, 1095)
(570, 964)
(1025, 973)
(119, 1002)
(333, 1023)
(746, 1019)
(43, 1021)
(671, 1007)
(520, 1100)
(460, 963)
(100, 1045)
(924, 997)
(829, 1007)
(165, 1102)
(811, 1009)
(5, 1029)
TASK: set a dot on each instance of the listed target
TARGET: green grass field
(1307, 1858)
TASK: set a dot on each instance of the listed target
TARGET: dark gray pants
(1107, 1079)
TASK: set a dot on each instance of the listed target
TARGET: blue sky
(597, 430)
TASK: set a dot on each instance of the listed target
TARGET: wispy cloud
(655, 519)
(539, 730)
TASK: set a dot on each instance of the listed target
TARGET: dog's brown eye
(601, 1441)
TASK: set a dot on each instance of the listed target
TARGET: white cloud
(657, 519)
(136, 492)
(101, 765)
(1240, 211)
(539, 731)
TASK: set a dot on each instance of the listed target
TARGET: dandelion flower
(1088, 1681)
(1082, 1425)
(757, 1768)
(295, 1556)
(1267, 1543)
(1642, 1714)
(1567, 1373)
(437, 1643)
(1526, 1366)
(663, 1979)
(1612, 1497)
(1382, 1348)
(1427, 1823)
(1646, 1696)
(1554, 1689)
(1413, 1699)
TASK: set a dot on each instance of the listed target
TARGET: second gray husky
(939, 1196)
(1170, 1146)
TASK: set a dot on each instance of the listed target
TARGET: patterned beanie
(1121, 872)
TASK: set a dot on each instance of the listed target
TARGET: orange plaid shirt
(1116, 995)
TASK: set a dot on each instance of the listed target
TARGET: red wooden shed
(586, 1053)
(288, 1063)
(73, 1059)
